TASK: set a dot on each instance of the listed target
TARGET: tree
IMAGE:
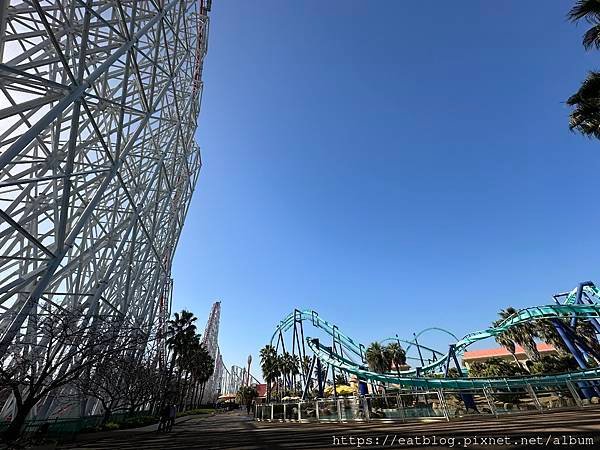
(546, 330)
(396, 356)
(63, 346)
(585, 116)
(269, 363)
(504, 339)
(121, 382)
(202, 366)
(195, 367)
(305, 363)
(376, 358)
(246, 394)
(289, 368)
(522, 334)
(181, 335)
(284, 367)
(341, 380)
(588, 10)
(588, 334)
(495, 367)
(551, 364)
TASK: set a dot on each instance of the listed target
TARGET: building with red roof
(500, 352)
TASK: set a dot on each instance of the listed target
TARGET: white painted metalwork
(98, 160)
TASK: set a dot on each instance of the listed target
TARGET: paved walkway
(237, 431)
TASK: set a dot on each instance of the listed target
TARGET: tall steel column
(210, 341)
(98, 160)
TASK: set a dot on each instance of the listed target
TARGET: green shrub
(140, 421)
(495, 367)
(111, 426)
(193, 412)
(549, 364)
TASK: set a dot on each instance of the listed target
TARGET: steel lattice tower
(98, 160)
(210, 341)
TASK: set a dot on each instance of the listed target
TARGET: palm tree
(289, 367)
(181, 334)
(280, 384)
(376, 358)
(585, 116)
(503, 339)
(246, 394)
(341, 380)
(305, 363)
(396, 355)
(269, 363)
(588, 10)
(546, 330)
(294, 369)
(202, 366)
(522, 334)
(186, 361)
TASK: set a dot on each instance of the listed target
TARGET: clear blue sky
(394, 165)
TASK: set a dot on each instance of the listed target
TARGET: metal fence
(442, 404)
(69, 428)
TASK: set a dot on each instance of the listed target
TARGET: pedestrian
(172, 415)
(164, 418)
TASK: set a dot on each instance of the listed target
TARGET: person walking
(172, 416)
(164, 418)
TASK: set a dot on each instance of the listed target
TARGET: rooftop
(500, 352)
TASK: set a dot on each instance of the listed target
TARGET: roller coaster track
(567, 310)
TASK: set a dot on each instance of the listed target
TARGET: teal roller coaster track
(347, 355)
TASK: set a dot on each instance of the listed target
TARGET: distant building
(500, 352)
(261, 389)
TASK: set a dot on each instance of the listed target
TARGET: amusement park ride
(342, 354)
(99, 104)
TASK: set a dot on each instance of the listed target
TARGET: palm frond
(585, 119)
(585, 9)
(589, 90)
(591, 39)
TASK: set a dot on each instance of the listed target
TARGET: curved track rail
(568, 310)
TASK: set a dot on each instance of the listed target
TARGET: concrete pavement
(235, 430)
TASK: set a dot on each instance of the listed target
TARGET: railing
(66, 429)
(442, 404)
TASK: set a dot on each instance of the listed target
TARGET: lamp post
(248, 376)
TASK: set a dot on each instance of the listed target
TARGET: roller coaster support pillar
(418, 349)
(577, 354)
(467, 399)
(579, 301)
(363, 388)
(320, 378)
(456, 363)
(307, 382)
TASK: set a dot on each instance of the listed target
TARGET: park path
(235, 430)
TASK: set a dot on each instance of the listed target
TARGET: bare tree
(62, 347)
(121, 383)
